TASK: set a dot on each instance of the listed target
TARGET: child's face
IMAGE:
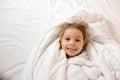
(72, 42)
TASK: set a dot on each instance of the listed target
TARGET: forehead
(73, 32)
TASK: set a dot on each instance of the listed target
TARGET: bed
(23, 22)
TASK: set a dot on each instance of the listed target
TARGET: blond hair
(80, 25)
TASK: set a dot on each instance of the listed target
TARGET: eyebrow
(76, 36)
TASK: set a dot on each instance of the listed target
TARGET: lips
(71, 49)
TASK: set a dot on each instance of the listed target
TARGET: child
(73, 37)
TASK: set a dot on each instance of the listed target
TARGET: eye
(67, 39)
(77, 40)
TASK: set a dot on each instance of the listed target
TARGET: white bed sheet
(23, 21)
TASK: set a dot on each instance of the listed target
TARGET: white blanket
(100, 61)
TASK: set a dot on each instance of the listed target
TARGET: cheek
(63, 44)
(80, 46)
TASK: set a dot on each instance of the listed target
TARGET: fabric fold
(100, 60)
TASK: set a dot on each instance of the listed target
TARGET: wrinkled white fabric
(100, 60)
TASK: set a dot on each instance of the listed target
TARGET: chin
(69, 56)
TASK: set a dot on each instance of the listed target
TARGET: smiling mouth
(71, 49)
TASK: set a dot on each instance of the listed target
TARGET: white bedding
(23, 21)
(99, 62)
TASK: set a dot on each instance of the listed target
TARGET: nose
(72, 42)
